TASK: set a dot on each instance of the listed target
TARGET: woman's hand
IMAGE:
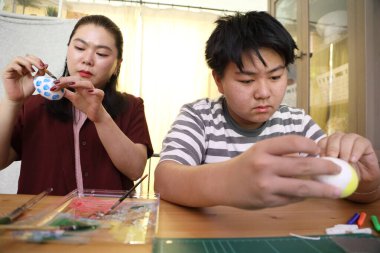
(18, 77)
(84, 96)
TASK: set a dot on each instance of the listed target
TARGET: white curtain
(163, 58)
(174, 69)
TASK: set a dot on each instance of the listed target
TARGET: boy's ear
(218, 81)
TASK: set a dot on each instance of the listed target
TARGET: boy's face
(255, 94)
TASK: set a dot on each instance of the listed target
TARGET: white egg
(43, 85)
(347, 180)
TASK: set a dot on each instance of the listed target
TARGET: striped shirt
(204, 132)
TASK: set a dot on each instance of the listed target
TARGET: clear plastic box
(75, 219)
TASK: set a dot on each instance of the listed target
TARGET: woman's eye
(102, 55)
(79, 48)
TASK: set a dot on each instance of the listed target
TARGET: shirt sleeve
(134, 124)
(312, 130)
(185, 142)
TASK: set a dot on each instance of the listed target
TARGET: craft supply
(9, 218)
(118, 202)
(375, 223)
(347, 180)
(288, 244)
(361, 219)
(43, 85)
(50, 74)
(353, 219)
(69, 224)
(315, 238)
(28, 227)
(363, 231)
(341, 229)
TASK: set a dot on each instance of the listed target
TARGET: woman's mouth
(85, 74)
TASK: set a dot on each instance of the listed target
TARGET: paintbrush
(9, 218)
(50, 74)
(118, 202)
(48, 228)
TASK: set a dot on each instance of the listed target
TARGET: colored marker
(361, 219)
(353, 219)
(375, 222)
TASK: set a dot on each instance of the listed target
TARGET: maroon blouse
(45, 147)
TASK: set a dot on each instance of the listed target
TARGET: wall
(21, 35)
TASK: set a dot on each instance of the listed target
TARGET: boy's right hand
(266, 176)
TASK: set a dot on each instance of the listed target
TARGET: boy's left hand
(358, 151)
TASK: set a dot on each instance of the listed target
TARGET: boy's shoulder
(290, 111)
(205, 104)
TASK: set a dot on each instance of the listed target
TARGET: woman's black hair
(242, 33)
(114, 102)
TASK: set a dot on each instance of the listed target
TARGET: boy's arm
(260, 177)
(194, 186)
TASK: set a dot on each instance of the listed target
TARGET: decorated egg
(347, 180)
(43, 85)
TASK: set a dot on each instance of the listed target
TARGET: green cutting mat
(266, 244)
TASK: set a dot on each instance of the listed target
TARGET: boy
(238, 150)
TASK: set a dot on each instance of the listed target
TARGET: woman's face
(92, 55)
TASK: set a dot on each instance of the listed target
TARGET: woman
(94, 138)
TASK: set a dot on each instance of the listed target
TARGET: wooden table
(309, 217)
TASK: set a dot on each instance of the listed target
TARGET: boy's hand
(357, 150)
(266, 176)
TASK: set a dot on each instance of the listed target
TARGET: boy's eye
(275, 77)
(79, 48)
(102, 55)
(247, 81)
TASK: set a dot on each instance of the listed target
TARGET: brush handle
(125, 195)
(9, 218)
(5, 220)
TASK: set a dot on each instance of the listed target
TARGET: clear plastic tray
(77, 220)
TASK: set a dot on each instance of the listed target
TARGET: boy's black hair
(242, 33)
(114, 102)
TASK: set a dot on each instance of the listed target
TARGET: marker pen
(353, 219)
(375, 223)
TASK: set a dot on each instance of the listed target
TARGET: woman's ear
(218, 81)
(118, 66)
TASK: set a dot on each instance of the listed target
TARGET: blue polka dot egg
(43, 85)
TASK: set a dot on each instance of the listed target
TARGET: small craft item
(43, 85)
(9, 218)
(100, 214)
(340, 229)
(347, 180)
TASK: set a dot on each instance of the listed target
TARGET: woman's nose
(88, 59)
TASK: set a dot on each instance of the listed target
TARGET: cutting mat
(291, 244)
